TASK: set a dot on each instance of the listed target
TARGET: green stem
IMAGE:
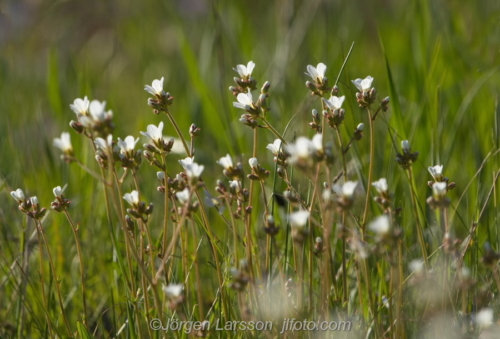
(370, 172)
(80, 259)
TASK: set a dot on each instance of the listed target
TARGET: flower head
(275, 147)
(194, 170)
(298, 219)
(346, 190)
(183, 196)
(154, 133)
(80, 106)
(104, 144)
(381, 185)
(381, 225)
(64, 143)
(436, 172)
(334, 102)
(18, 195)
(405, 146)
(245, 71)
(363, 85)
(156, 88)
(253, 162)
(173, 290)
(439, 189)
(484, 318)
(132, 198)
(185, 162)
(244, 101)
(58, 191)
(127, 145)
(304, 151)
(226, 162)
(317, 73)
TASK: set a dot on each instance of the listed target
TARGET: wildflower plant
(297, 213)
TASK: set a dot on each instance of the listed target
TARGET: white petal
(253, 162)
(381, 185)
(173, 290)
(57, 191)
(299, 219)
(250, 67)
(321, 69)
(348, 188)
(357, 83)
(380, 225)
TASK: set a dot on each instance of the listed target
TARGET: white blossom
(245, 71)
(380, 225)
(363, 85)
(104, 144)
(253, 162)
(58, 191)
(34, 201)
(245, 101)
(160, 175)
(436, 172)
(226, 162)
(484, 318)
(381, 185)
(316, 73)
(298, 219)
(194, 170)
(18, 195)
(154, 133)
(360, 127)
(334, 102)
(439, 189)
(405, 145)
(156, 88)
(183, 196)
(80, 106)
(128, 144)
(186, 161)
(132, 198)
(346, 190)
(173, 290)
(275, 147)
(63, 143)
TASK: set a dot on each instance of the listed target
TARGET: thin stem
(272, 129)
(80, 259)
(51, 264)
(416, 213)
(370, 171)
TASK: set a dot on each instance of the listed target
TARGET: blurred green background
(437, 60)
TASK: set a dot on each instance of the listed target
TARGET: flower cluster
(161, 100)
(92, 118)
(30, 207)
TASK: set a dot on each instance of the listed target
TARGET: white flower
(173, 290)
(245, 71)
(128, 144)
(360, 127)
(381, 185)
(253, 162)
(34, 201)
(64, 143)
(298, 219)
(104, 144)
(80, 107)
(156, 88)
(334, 102)
(436, 172)
(226, 162)
(18, 195)
(484, 318)
(160, 175)
(183, 196)
(405, 145)
(317, 142)
(193, 171)
(185, 162)
(275, 147)
(58, 191)
(416, 266)
(380, 225)
(316, 73)
(363, 85)
(439, 189)
(346, 190)
(234, 185)
(244, 101)
(97, 110)
(132, 198)
(154, 133)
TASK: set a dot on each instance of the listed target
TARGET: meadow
(267, 211)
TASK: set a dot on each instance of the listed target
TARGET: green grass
(437, 61)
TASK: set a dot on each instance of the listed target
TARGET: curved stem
(370, 172)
